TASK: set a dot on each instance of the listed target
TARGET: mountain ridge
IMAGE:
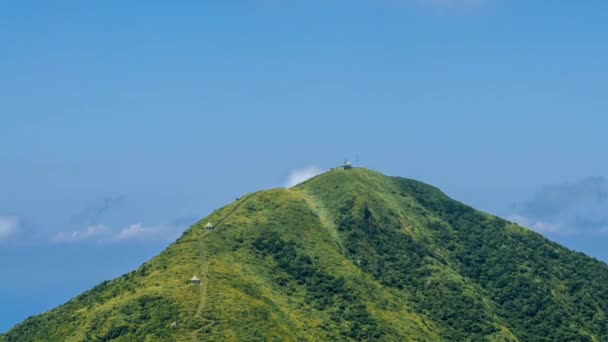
(347, 255)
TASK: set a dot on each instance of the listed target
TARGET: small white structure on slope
(209, 226)
(348, 165)
(195, 280)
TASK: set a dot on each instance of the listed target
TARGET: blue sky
(121, 124)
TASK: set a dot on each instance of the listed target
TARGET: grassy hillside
(348, 255)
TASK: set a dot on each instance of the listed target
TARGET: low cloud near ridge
(140, 231)
(298, 176)
(572, 208)
(133, 232)
(9, 227)
(538, 226)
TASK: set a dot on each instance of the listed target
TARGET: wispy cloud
(139, 231)
(539, 226)
(9, 227)
(93, 214)
(96, 232)
(298, 176)
(579, 207)
(132, 232)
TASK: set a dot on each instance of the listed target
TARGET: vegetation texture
(350, 255)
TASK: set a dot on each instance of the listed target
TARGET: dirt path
(203, 287)
(326, 221)
(204, 279)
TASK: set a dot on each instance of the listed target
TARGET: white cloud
(9, 226)
(96, 232)
(574, 208)
(133, 232)
(539, 226)
(298, 176)
(138, 231)
(547, 227)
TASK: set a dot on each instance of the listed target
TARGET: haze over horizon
(124, 124)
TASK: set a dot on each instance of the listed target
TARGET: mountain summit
(348, 255)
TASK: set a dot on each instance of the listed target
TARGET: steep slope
(348, 255)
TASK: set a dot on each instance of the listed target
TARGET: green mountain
(348, 255)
